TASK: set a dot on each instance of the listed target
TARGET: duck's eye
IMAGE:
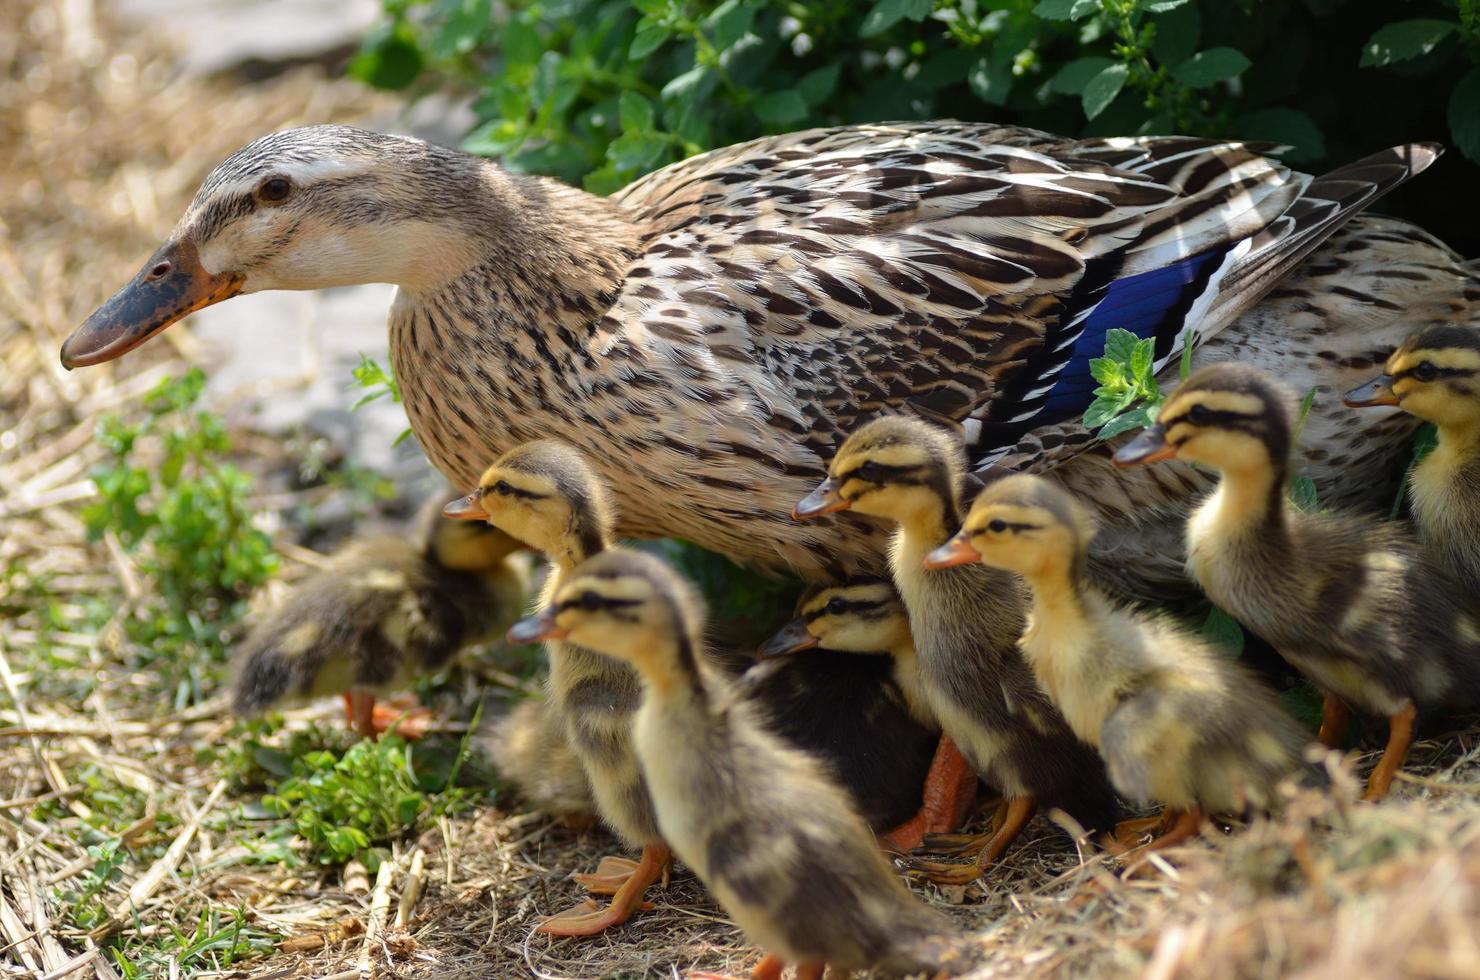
(274, 190)
(589, 601)
(997, 526)
(1426, 371)
(870, 471)
(1200, 415)
(502, 488)
(836, 607)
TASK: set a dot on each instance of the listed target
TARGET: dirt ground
(111, 798)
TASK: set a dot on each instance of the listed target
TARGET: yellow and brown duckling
(529, 747)
(384, 611)
(861, 628)
(546, 495)
(1435, 376)
(775, 840)
(1354, 604)
(966, 622)
(1176, 722)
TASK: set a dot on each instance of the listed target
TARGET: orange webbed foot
(587, 919)
(610, 875)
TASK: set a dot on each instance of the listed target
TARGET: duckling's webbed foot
(1130, 833)
(610, 875)
(409, 717)
(1400, 737)
(950, 789)
(964, 845)
(1181, 825)
(1019, 811)
(587, 919)
(769, 968)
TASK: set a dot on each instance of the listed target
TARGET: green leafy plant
(182, 516)
(1424, 45)
(1128, 396)
(378, 382)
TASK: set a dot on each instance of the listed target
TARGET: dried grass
(101, 143)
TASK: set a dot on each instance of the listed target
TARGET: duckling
(1176, 722)
(771, 836)
(1352, 603)
(528, 746)
(1435, 376)
(966, 622)
(546, 495)
(865, 616)
(383, 611)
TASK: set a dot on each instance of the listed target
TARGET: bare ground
(101, 143)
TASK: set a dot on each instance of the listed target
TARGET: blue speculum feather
(1150, 304)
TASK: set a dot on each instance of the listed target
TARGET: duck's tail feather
(265, 675)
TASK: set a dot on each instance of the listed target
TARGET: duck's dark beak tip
(1149, 447)
(468, 508)
(170, 286)
(824, 500)
(1378, 391)
(791, 638)
(540, 626)
(957, 551)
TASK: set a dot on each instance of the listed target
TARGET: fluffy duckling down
(1176, 721)
(384, 611)
(1435, 376)
(1353, 603)
(775, 840)
(966, 623)
(857, 627)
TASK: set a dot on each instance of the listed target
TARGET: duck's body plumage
(762, 299)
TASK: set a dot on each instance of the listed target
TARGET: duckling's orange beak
(540, 626)
(791, 638)
(469, 508)
(1150, 446)
(826, 499)
(170, 286)
(1378, 391)
(957, 551)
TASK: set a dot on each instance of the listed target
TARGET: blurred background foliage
(597, 92)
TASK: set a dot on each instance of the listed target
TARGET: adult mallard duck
(709, 333)
(1353, 603)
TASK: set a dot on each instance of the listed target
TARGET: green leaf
(1066, 9)
(635, 150)
(1289, 126)
(1224, 631)
(1464, 115)
(816, 86)
(1102, 89)
(390, 58)
(990, 79)
(1177, 33)
(1102, 410)
(522, 45)
(682, 85)
(649, 38)
(887, 13)
(780, 108)
(1121, 345)
(1141, 361)
(1073, 77)
(462, 29)
(1129, 422)
(1211, 67)
(1404, 40)
(1107, 371)
(1162, 6)
(1303, 493)
(730, 22)
(635, 112)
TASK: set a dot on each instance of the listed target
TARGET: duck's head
(864, 615)
(302, 209)
(625, 604)
(897, 467)
(1227, 416)
(465, 546)
(1024, 524)
(545, 494)
(1434, 375)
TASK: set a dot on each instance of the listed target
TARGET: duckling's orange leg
(359, 712)
(1128, 832)
(770, 967)
(1019, 811)
(1336, 717)
(610, 875)
(1186, 825)
(587, 920)
(1400, 736)
(409, 717)
(950, 789)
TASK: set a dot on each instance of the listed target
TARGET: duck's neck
(1058, 601)
(569, 551)
(673, 674)
(1247, 499)
(1459, 444)
(930, 523)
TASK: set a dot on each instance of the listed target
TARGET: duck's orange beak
(469, 508)
(170, 286)
(957, 551)
(1150, 446)
(826, 499)
(1378, 391)
(791, 638)
(540, 626)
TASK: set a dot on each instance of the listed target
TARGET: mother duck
(710, 333)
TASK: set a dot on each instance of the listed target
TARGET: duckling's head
(465, 546)
(1024, 524)
(1227, 416)
(896, 467)
(545, 494)
(864, 615)
(1434, 375)
(305, 208)
(626, 604)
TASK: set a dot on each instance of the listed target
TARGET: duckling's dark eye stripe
(601, 603)
(881, 473)
(513, 492)
(848, 606)
(1211, 417)
(1439, 372)
(1011, 526)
